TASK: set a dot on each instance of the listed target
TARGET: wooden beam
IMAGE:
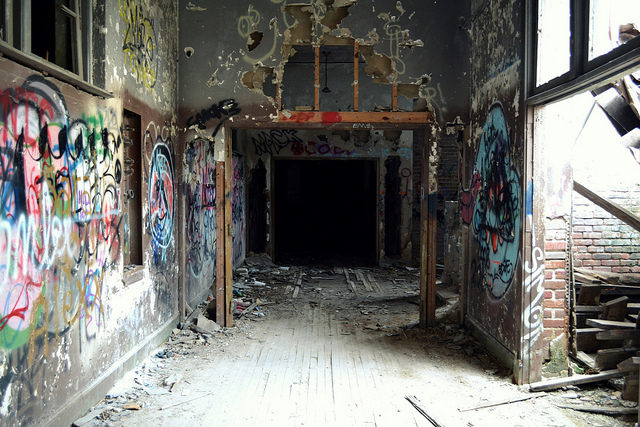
(614, 209)
(220, 280)
(356, 70)
(316, 81)
(228, 243)
(556, 383)
(610, 324)
(329, 117)
(428, 220)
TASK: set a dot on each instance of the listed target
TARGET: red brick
(611, 262)
(554, 284)
(582, 255)
(555, 246)
(559, 294)
(548, 295)
(599, 268)
(620, 256)
(561, 274)
(579, 249)
(635, 269)
(577, 235)
(555, 264)
(589, 262)
(577, 263)
(621, 269)
(548, 313)
(583, 242)
(548, 274)
(553, 323)
(559, 313)
(553, 303)
(591, 235)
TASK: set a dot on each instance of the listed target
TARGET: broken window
(574, 44)
(56, 31)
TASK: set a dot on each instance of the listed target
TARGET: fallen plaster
(254, 40)
(254, 80)
(378, 65)
(301, 32)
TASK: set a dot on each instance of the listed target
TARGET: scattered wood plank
(374, 283)
(618, 334)
(633, 307)
(614, 209)
(586, 359)
(586, 339)
(504, 402)
(417, 404)
(248, 309)
(608, 358)
(364, 280)
(608, 277)
(615, 309)
(605, 410)
(589, 309)
(589, 294)
(629, 365)
(555, 383)
(610, 324)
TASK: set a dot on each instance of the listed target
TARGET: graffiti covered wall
(69, 313)
(492, 202)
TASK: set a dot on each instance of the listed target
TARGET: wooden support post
(356, 65)
(228, 243)
(428, 238)
(220, 280)
(316, 82)
(394, 97)
(278, 97)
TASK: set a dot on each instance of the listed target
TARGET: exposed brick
(586, 255)
(634, 256)
(548, 303)
(594, 221)
(577, 263)
(548, 295)
(555, 246)
(560, 294)
(600, 268)
(548, 313)
(560, 274)
(609, 235)
(635, 269)
(559, 313)
(628, 261)
(583, 242)
(611, 262)
(548, 274)
(589, 262)
(579, 249)
(602, 256)
(592, 235)
(582, 228)
(621, 256)
(555, 264)
(621, 269)
(595, 249)
(576, 235)
(555, 255)
(553, 323)
(555, 284)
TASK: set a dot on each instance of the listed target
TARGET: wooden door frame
(421, 122)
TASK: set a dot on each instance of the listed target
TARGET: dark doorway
(325, 211)
(257, 212)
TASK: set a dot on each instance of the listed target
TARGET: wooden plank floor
(309, 364)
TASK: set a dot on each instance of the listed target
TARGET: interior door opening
(325, 211)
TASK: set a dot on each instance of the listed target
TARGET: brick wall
(603, 242)
(555, 317)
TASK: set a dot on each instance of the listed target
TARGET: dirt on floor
(450, 375)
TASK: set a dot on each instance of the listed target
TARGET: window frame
(15, 44)
(583, 73)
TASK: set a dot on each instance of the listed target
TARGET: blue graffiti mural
(161, 206)
(492, 204)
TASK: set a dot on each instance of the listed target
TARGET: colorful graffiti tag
(200, 193)
(59, 213)
(237, 209)
(492, 206)
(161, 206)
(139, 45)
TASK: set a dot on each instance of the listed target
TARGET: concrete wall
(71, 319)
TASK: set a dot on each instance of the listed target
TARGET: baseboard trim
(78, 405)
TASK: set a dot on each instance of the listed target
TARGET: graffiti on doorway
(491, 205)
(161, 206)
